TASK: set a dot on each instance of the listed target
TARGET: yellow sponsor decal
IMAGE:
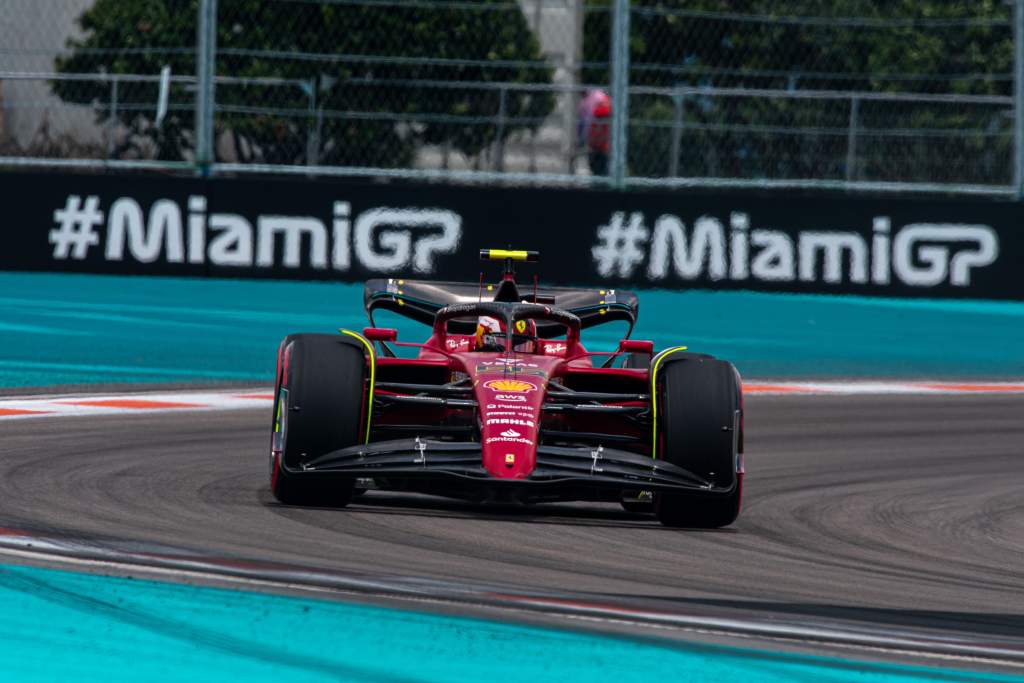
(654, 395)
(510, 458)
(512, 386)
(373, 375)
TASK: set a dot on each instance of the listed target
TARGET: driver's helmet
(490, 335)
(524, 336)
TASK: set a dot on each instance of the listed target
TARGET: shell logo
(515, 386)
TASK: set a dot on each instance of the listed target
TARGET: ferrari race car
(503, 403)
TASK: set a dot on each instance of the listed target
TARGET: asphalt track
(886, 516)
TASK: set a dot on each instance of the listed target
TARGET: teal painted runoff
(71, 329)
(65, 626)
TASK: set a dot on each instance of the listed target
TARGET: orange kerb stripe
(775, 388)
(266, 397)
(17, 411)
(132, 403)
(975, 387)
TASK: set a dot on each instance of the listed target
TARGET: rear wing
(420, 300)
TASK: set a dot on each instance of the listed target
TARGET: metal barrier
(897, 99)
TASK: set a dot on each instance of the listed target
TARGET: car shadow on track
(607, 515)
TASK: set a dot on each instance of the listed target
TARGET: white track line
(114, 404)
(869, 388)
(21, 407)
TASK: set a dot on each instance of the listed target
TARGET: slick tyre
(318, 408)
(699, 406)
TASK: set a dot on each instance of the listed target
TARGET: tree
(370, 81)
(915, 46)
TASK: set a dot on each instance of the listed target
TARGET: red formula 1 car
(503, 403)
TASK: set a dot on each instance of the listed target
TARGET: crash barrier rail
(348, 230)
(701, 97)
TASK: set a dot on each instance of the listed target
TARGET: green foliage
(365, 73)
(902, 46)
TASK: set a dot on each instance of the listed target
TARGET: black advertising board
(353, 230)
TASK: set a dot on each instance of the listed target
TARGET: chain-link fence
(71, 96)
(834, 93)
(396, 85)
(855, 94)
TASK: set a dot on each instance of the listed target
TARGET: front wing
(594, 467)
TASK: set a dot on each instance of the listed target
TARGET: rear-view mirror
(380, 334)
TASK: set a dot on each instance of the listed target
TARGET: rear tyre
(698, 415)
(318, 408)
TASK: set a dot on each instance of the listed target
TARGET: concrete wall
(32, 33)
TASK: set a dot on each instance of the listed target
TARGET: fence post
(572, 110)
(620, 91)
(499, 137)
(851, 140)
(112, 121)
(312, 141)
(678, 101)
(1018, 98)
(206, 50)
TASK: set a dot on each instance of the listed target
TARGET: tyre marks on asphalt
(897, 511)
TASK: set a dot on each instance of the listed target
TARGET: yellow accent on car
(373, 377)
(500, 254)
(654, 394)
